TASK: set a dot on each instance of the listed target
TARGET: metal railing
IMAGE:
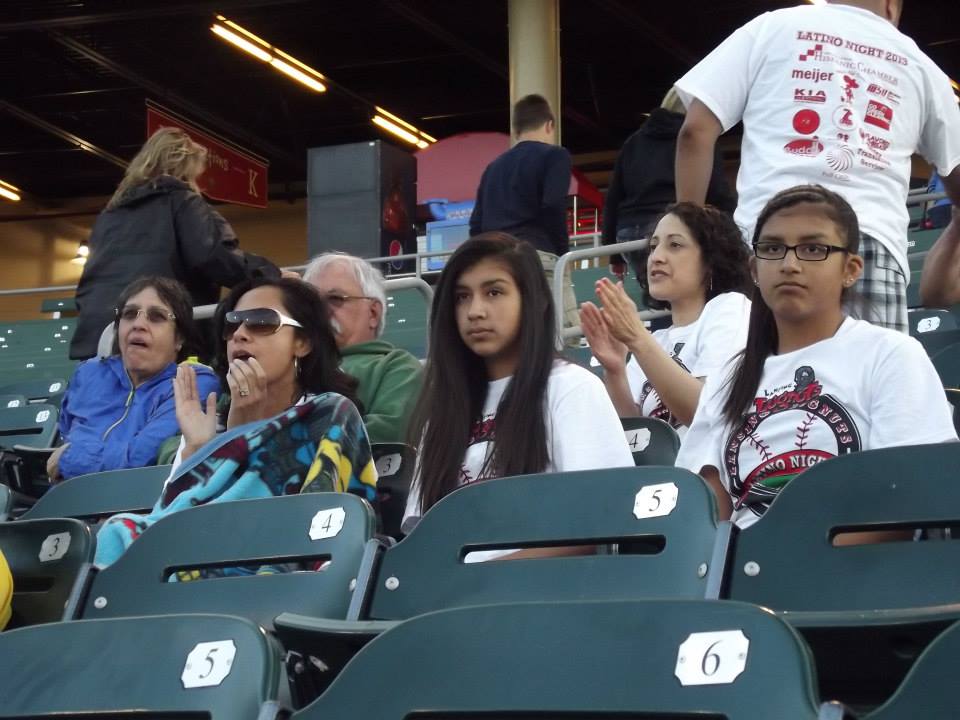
(589, 253)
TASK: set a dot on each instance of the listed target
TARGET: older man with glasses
(389, 377)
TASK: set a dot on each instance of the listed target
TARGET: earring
(296, 366)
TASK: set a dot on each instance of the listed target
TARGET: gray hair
(371, 280)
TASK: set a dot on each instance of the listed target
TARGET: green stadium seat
(48, 560)
(620, 659)
(243, 533)
(395, 465)
(923, 321)
(866, 610)
(920, 241)
(12, 400)
(60, 305)
(6, 503)
(651, 440)
(930, 688)
(23, 429)
(97, 496)
(183, 666)
(913, 290)
(663, 520)
(40, 390)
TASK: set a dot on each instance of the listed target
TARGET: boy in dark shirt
(524, 191)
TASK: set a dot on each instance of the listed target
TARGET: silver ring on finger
(244, 392)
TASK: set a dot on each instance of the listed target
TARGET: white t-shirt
(862, 389)
(834, 95)
(583, 429)
(701, 348)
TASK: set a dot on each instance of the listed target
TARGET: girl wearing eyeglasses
(118, 410)
(696, 265)
(497, 401)
(813, 382)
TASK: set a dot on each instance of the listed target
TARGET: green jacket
(390, 380)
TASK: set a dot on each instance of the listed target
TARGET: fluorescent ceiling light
(9, 191)
(402, 129)
(262, 50)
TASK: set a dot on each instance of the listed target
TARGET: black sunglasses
(259, 321)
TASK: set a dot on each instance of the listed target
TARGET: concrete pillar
(534, 27)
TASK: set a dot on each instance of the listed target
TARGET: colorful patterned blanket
(319, 445)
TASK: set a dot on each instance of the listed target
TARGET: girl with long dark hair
(497, 401)
(812, 383)
(696, 265)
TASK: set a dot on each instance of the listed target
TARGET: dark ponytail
(762, 336)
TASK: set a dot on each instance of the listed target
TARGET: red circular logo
(806, 122)
(396, 248)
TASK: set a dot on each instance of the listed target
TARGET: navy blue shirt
(524, 192)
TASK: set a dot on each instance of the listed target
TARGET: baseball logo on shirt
(782, 436)
(849, 85)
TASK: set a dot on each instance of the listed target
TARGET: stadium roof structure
(75, 75)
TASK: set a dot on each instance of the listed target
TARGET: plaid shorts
(882, 287)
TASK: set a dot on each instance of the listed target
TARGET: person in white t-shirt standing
(812, 383)
(497, 401)
(829, 94)
(696, 265)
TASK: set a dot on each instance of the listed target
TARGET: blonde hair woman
(157, 223)
(169, 151)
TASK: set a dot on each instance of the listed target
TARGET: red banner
(232, 175)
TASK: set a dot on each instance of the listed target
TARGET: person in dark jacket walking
(643, 180)
(157, 223)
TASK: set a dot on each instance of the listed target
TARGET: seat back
(787, 561)
(930, 688)
(40, 390)
(580, 659)
(223, 667)
(237, 536)
(947, 364)
(99, 495)
(46, 557)
(395, 464)
(6, 502)
(667, 516)
(32, 425)
(12, 400)
(923, 321)
(651, 440)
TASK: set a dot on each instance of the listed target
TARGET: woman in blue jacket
(118, 410)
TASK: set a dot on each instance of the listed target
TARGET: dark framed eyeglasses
(808, 252)
(338, 301)
(258, 321)
(155, 315)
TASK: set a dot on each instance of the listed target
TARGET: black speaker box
(361, 199)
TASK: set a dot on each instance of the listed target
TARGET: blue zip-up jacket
(109, 425)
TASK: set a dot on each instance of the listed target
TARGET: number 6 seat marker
(712, 658)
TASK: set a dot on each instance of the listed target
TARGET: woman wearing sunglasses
(812, 382)
(118, 410)
(276, 349)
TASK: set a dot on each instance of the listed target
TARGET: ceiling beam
(236, 132)
(478, 56)
(65, 135)
(197, 8)
(627, 16)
